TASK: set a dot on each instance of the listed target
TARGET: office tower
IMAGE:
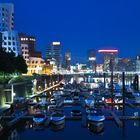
(92, 59)
(6, 17)
(67, 60)
(54, 52)
(109, 59)
(9, 36)
(138, 63)
(27, 44)
(127, 64)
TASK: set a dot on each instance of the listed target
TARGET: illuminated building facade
(126, 64)
(109, 59)
(11, 42)
(33, 58)
(6, 17)
(138, 63)
(10, 39)
(67, 60)
(54, 52)
(92, 59)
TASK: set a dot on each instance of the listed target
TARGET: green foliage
(10, 64)
(17, 79)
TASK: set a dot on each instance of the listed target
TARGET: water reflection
(57, 128)
(97, 128)
(14, 135)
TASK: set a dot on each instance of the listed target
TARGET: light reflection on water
(73, 130)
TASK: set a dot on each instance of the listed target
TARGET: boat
(19, 103)
(39, 118)
(96, 127)
(68, 100)
(96, 116)
(76, 113)
(57, 118)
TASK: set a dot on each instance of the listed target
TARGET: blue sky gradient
(81, 24)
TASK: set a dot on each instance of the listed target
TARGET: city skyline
(81, 25)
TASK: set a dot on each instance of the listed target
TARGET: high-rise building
(9, 36)
(6, 17)
(127, 64)
(109, 59)
(28, 40)
(67, 60)
(54, 52)
(92, 59)
(138, 63)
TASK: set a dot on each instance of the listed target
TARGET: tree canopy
(9, 63)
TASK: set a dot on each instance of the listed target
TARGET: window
(13, 38)
(5, 43)
(9, 37)
(14, 49)
(9, 43)
(14, 43)
(5, 37)
(9, 49)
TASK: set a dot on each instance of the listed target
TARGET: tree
(20, 64)
(10, 64)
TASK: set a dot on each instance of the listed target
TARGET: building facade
(110, 59)
(10, 39)
(138, 63)
(67, 60)
(54, 52)
(10, 42)
(127, 65)
(92, 59)
(6, 17)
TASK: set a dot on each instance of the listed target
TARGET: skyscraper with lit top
(109, 59)
(54, 52)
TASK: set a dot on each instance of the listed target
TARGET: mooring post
(104, 80)
(123, 92)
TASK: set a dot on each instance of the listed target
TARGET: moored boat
(96, 116)
(39, 119)
(57, 118)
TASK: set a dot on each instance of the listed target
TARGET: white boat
(57, 118)
(96, 116)
(39, 118)
(68, 100)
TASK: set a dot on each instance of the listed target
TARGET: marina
(56, 108)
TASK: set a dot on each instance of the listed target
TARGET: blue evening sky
(81, 24)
